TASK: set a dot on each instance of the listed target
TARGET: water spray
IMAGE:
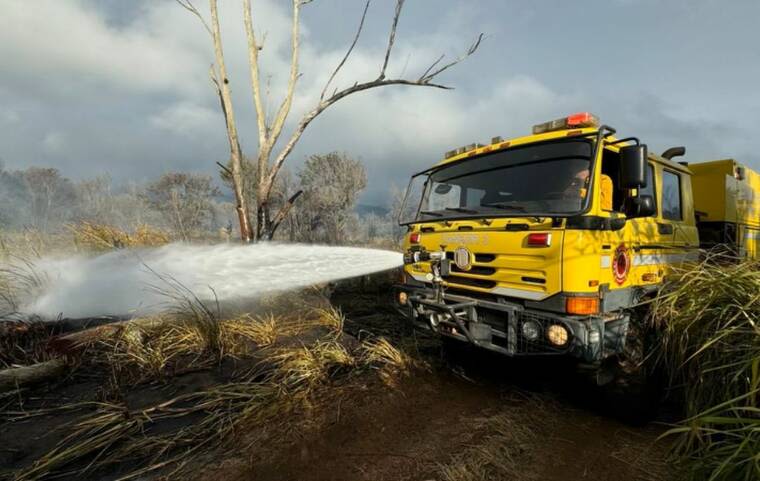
(130, 282)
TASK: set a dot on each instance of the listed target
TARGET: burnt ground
(562, 428)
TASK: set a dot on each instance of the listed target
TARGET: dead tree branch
(425, 80)
(391, 38)
(188, 5)
(426, 77)
(253, 61)
(348, 53)
(284, 210)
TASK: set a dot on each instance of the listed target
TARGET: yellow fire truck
(543, 244)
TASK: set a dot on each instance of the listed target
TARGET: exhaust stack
(674, 152)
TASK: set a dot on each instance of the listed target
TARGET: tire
(637, 389)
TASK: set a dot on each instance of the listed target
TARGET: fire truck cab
(543, 244)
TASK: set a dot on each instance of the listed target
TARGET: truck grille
(478, 270)
(469, 281)
(482, 258)
(475, 270)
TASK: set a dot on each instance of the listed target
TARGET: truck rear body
(727, 203)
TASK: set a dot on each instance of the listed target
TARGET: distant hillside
(364, 210)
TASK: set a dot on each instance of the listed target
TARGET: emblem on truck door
(621, 264)
(463, 258)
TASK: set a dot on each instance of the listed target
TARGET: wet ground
(563, 428)
(412, 431)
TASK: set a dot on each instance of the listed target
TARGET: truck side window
(649, 189)
(611, 170)
(671, 196)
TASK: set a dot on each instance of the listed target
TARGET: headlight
(530, 330)
(557, 334)
(402, 298)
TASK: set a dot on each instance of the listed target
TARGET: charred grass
(158, 392)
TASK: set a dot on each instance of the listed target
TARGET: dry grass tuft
(391, 361)
(149, 349)
(19, 278)
(303, 368)
(23, 343)
(98, 237)
(262, 331)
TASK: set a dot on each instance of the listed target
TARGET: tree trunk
(17, 377)
(236, 156)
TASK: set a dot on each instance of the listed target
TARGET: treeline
(192, 206)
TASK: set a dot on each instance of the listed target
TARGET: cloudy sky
(96, 86)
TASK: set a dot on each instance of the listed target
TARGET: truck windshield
(541, 179)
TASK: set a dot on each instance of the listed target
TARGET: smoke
(131, 281)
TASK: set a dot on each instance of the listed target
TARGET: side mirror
(633, 166)
(639, 206)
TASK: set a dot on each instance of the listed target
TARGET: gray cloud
(92, 87)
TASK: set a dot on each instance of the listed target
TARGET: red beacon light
(539, 239)
(579, 120)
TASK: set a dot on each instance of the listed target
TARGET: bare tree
(95, 199)
(270, 130)
(185, 200)
(51, 195)
(15, 198)
(331, 185)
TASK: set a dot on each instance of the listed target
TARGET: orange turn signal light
(582, 305)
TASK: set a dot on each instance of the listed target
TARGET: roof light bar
(581, 119)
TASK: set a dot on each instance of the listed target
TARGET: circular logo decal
(621, 264)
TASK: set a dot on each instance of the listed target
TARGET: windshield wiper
(462, 210)
(430, 212)
(504, 205)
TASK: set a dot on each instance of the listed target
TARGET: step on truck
(543, 245)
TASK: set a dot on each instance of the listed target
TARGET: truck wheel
(637, 389)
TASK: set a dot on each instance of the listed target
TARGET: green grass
(710, 316)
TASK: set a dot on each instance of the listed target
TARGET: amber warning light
(579, 120)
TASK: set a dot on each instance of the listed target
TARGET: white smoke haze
(128, 282)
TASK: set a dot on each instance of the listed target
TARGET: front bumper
(497, 326)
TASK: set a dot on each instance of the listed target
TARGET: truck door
(630, 255)
(649, 238)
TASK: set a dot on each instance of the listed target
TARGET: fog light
(594, 337)
(557, 334)
(402, 297)
(530, 330)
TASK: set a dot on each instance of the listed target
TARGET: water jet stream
(126, 282)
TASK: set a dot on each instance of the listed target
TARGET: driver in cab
(579, 187)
